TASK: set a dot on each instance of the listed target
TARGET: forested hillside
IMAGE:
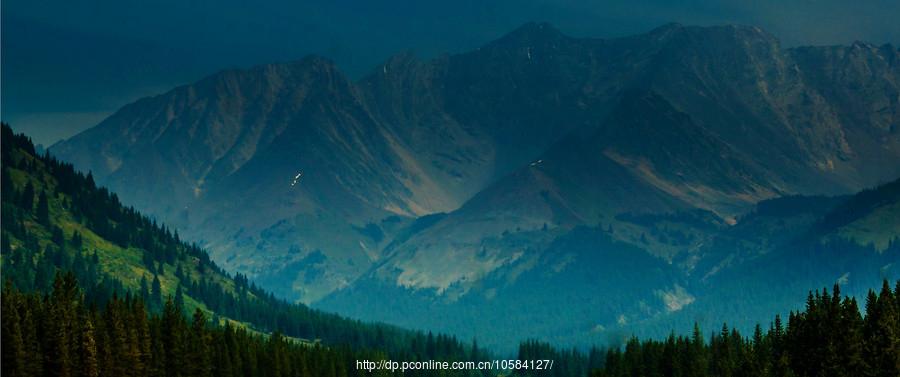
(830, 337)
(60, 335)
(59, 228)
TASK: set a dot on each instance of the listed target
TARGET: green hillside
(869, 217)
(56, 221)
(55, 218)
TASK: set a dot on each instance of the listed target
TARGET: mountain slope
(870, 217)
(584, 286)
(56, 220)
(691, 126)
(234, 142)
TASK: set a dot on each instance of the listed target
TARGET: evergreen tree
(144, 289)
(43, 210)
(60, 323)
(156, 293)
(157, 365)
(141, 337)
(179, 299)
(77, 241)
(882, 340)
(27, 199)
(89, 365)
(122, 355)
(13, 344)
(5, 246)
(172, 340)
(198, 360)
(7, 188)
(698, 364)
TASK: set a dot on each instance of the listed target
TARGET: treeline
(831, 337)
(566, 362)
(96, 207)
(859, 205)
(58, 335)
(35, 248)
(44, 248)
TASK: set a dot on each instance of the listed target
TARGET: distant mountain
(584, 286)
(445, 180)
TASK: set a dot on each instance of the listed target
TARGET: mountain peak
(309, 63)
(732, 31)
(270, 79)
(740, 32)
(666, 28)
(532, 32)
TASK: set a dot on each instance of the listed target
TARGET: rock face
(218, 159)
(521, 143)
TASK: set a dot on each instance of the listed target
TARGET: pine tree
(89, 365)
(230, 345)
(882, 333)
(723, 354)
(43, 209)
(121, 353)
(27, 199)
(179, 299)
(7, 188)
(157, 365)
(698, 366)
(156, 294)
(199, 358)
(77, 241)
(33, 348)
(13, 348)
(142, 341)
(172, 328)
(5, 246)
(221, 359)
(761, 352)
(144, 290)
(60, 323)
(850, 338)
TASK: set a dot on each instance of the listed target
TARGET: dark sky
(68, 64)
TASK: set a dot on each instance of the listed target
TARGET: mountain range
(580, 186)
